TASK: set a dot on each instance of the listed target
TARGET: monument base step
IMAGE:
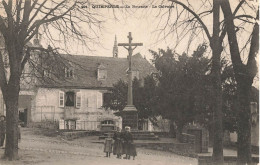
(138, 135)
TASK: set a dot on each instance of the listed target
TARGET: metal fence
(43, 113)
(79, 125)
(87, 125)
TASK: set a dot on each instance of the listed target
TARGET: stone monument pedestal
(130, 117)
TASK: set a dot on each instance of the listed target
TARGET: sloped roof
(86, 67)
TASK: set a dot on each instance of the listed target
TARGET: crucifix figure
(129, 113)
(129, 46)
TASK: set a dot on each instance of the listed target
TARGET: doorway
(23, 117)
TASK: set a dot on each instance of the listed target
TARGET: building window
(78, 100)
(61, 99)
(106, 98)
(102, 72)
(70, 99)
(69, 73)
(107, 122)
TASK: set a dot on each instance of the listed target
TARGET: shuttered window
(61, 99)
(99, 100)
(78, 100)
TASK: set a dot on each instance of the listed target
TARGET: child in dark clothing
(108, 145)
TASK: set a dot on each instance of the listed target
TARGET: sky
(145, 25)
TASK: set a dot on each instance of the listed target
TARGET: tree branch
(232, 38)
(26, 15)
(37, 23)
(238, 7)
(244, 16)
(8, 10)
(37, 11)
(26, 57)
(254, 48)
(195, 15)
(223, 34)
(3, 28)
(18, 12)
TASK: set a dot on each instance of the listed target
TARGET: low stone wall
(187, 138)
(230, 160)
(161, 134)
(45, 124)
(77, 134)
(185, 149)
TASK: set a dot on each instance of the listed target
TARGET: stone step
(143, 135)
(137, 135)
(140, 133)
(147, 138)
(138, 138)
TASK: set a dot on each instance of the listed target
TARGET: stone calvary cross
(129, 113)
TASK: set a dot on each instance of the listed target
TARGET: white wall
(47, 101)
(46, 105)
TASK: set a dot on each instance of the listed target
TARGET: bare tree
(20, 22)
(244, 73)
(188, 21)
(215, 40)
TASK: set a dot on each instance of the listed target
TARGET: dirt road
(43, 150)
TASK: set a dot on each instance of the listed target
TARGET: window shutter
(61, 99)
(78, 100)
(99, 100)
(61, 124)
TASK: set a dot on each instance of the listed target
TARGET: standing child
(118, 146)
(129, 146)
(108, 145)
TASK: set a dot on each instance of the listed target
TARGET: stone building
(76, 101)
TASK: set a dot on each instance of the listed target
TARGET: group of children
(123, 144)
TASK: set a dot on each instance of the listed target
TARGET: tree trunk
(244, 124)
(172, 131)
(11, 100)
(217, 121)
(244, 75)
(216, 47)
(180, 126)
(211, 135)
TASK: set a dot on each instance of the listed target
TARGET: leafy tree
(144, 96)
(230, 99)
(182, 82)
(116, 99)
(149, 99)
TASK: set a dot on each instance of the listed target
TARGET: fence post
(41, 114)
